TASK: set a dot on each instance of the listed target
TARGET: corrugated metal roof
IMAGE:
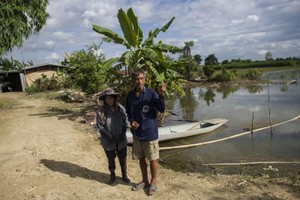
(32, 67)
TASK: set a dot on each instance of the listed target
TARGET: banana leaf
(127, 28)
(154, 34)
(110, 34)
(137, 29)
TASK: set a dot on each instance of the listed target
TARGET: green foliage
(253, 74)
(12, 64)
(284, 77)
(208, 71)
(239, 64)
(89, 71)
(18, 20)
(225, 75)
(186, 53)
(211, 60)
(198, 58)
(146, 53)
(32, 89)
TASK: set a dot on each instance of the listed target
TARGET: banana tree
(145, 53)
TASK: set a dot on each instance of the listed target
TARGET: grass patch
(241, 72)
(45, 95)
(5, 103)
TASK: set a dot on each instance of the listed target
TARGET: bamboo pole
(252, 163)
(229, 137)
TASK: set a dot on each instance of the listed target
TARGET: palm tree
(186, 51)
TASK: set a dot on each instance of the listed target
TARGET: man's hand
(134, 125)
(162, 89)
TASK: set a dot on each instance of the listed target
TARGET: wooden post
(252, 123)
(270, 119)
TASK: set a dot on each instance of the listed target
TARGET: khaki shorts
(147, 149)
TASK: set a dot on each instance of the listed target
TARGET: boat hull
(185, 130)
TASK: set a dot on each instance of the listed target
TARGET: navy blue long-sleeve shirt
(143, 109)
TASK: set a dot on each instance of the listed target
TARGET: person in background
(142, 105)
(112, 123)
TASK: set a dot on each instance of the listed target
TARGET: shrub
(225, 75)
(253, 74)
(208, 71)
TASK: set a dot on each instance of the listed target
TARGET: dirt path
(44, 155)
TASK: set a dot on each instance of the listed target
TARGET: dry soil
(45, 155)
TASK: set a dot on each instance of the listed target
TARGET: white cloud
(53, 56)
(254, 18)
(49, 43)
(237, 21)
(230, 29)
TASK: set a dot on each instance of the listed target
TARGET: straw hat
(108, 92)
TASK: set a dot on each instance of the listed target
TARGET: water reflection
(208, 96)
(284, 88)
(226, 90)
(239, 104)
(253, 89)
(188, 104)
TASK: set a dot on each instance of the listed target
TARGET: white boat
(168, 133)
(292, 82)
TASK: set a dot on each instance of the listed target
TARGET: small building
(18, 80)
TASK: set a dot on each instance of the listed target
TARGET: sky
(235, 29)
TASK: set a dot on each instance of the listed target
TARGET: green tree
(208, 70)
(145, 53)
(12, 64)
(225, 62)
(89, 71)
(186, 53)
(18, 20)
(211, 60)
(198, 58)
(268, 56)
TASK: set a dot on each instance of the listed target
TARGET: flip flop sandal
(152, 190)
(139, 186)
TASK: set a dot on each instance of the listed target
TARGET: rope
(227, 138)
(252, 163)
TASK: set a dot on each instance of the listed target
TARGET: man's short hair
(138, 71)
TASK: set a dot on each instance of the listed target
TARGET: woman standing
(112, 123)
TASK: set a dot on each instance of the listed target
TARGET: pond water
(239, 104)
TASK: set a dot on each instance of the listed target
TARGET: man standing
(142, 105)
